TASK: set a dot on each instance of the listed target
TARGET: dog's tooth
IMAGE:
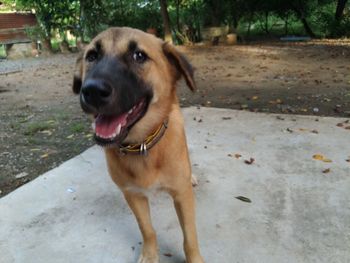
(130, 111)
(101, 136)
(118, 129)
(93, 126)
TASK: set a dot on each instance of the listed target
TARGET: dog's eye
(91, 56)
(139, 56)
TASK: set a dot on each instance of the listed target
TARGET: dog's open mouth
(113, 129)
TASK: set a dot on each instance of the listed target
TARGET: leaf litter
(322, 158)
(243, 199)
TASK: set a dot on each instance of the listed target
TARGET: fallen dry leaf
(168, 255)
(243, 199)
(47, 132)
(237, 156)
(250, 161)
(326, 171)
(35, 150)
(278, 101)
(255, 97)
(320, 157)
(45, 155)
(21, 175)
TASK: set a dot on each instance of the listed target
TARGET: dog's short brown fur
(167, 165)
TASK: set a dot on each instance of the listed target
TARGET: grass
(276, 27)
(62, 116)
(35, 127)
(35, 141)
(2, 51)
(15, 126)
(77, 127)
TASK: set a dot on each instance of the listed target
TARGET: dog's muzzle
(116, 97)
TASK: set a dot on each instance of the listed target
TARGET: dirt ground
(42, 125)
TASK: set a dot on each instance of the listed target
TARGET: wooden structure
(12, 27)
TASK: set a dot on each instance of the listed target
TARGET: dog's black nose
(96, 93)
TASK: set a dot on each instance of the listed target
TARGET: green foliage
(35, 33)
(77, 127)
(85, 19)
(2, 51)
(328, 25)
(51, 15)
(35, 127)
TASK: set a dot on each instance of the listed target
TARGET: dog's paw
(194, 180)
(148, 258)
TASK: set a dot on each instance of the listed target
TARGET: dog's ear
(77, 81)
(181, 64)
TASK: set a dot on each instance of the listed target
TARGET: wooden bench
(12, 29)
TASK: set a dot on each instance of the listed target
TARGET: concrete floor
(74, 213)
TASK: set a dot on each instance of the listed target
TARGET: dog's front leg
(139, 205)
(184, 205)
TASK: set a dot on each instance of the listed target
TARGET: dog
(126, 80)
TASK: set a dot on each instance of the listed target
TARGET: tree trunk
(249, 26)
(340, 9)
(267, 22)
(303, 20)
(307, 27)
(82, 10)
(235, 14)
(286, 24)
(250, 23)
(166, 21)
(178, 15)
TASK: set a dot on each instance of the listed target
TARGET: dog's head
(126, 79)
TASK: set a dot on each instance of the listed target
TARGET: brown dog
(126, 80)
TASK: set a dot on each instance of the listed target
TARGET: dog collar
(147, 144)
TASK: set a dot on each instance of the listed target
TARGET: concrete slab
(298, 213)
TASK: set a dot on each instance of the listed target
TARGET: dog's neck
(143, 147)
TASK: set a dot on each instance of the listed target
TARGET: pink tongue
(106, 126)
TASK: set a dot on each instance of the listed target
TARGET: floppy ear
(181, 64)
(77, 82)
